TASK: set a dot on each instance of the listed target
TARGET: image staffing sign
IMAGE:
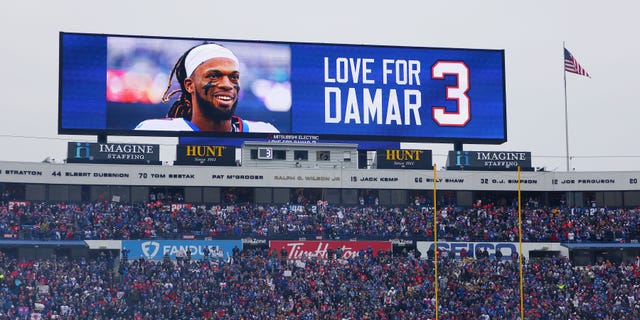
(115, 85)
(489, 160)
(124, 153)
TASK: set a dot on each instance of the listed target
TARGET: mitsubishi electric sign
(489, 160)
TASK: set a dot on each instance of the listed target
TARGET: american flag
(572, 65)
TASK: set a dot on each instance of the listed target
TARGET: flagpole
(520, 242)
(566, 113)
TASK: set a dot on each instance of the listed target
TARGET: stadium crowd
(157, 219)
(258, 284)
(254, 284)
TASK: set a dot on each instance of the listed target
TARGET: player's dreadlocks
(182, 107)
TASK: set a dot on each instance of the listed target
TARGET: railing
(28, 232)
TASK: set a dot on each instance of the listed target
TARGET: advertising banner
(470, 249)
(319, 249)
(404, 159)
(508, 250)
(489, 160)
(124, 153)
(156, 249)
(205, 155)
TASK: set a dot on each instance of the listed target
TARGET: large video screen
(133, 85)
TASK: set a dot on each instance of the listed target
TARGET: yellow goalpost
(435, 243)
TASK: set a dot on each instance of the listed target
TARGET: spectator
(498, 255)
(483, 222)
(358, 288)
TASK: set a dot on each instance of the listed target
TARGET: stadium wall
(340, 178)
(134, 183)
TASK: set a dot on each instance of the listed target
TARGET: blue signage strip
(412, 93)
(156, 249)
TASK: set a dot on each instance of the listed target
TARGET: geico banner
(126, 153)
(404, 159)
(508, 249)
(334, 178)
(334, 91)
(156, 249)
(297, 250)
(488, 160)
(205, 155)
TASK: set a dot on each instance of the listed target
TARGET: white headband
(205, 52)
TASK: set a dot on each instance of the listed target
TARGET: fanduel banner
(156, 249)
(124, 153)
(489, 160)
(205, 155)
(404, 159)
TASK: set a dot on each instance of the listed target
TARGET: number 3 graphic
(462, 116)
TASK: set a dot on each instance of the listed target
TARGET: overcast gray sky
(603, 110)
